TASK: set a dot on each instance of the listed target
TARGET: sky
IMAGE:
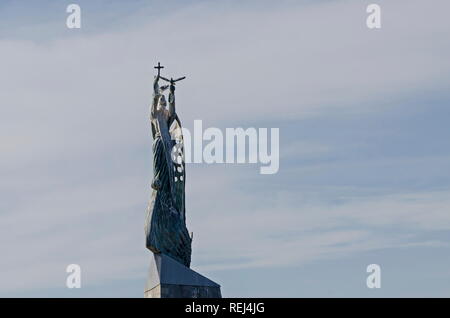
(363, 116)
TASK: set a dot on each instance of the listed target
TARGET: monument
(166, 233)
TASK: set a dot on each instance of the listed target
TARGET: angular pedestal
(169, 279)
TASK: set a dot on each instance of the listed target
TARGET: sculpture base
(169, 279)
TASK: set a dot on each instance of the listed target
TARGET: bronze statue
(165, 225)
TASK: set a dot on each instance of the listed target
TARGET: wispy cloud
(76, 148)
(289, 230)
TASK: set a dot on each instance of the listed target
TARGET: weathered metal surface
(165, 224)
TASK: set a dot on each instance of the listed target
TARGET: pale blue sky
(364, 142)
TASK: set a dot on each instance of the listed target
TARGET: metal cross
(159, 67)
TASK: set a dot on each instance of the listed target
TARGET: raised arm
(156, 86)
(156, 94)
(172, 101)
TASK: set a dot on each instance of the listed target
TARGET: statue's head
(162, 101)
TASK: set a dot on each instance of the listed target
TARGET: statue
(165, 224)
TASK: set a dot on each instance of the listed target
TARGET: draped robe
(165, 225)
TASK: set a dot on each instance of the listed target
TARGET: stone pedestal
(168, 278)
